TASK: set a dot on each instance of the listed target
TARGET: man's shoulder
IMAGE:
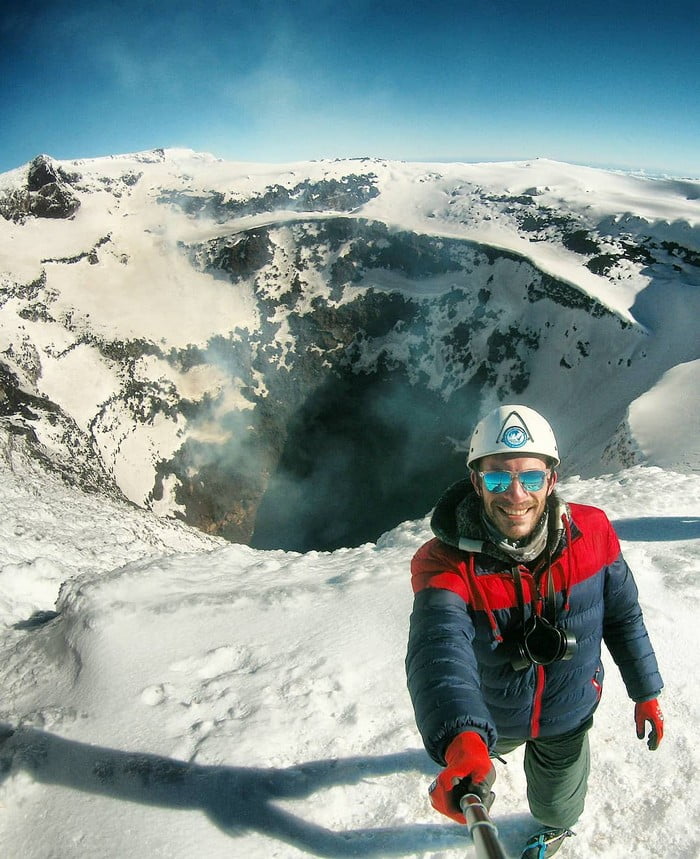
(437, 550)
(588, 516)
(600, 542)
(439, 565)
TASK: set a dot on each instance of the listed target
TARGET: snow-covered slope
(187, 332)
(212, 339)
(197, 698)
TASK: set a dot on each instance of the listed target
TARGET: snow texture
(193, 697)
(167, 694)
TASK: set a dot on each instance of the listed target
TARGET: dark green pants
(557, 770)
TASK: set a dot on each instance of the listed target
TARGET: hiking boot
(545, 843)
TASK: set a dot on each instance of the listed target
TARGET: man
(513, 598)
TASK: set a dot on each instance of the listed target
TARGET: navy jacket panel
(443, 673)
(466, 622)
(626, 636)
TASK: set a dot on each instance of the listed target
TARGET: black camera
(542, 643)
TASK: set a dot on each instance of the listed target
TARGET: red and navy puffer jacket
(466, 620)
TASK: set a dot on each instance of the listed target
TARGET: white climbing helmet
(513, 429)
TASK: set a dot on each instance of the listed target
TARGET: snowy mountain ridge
(210, 339)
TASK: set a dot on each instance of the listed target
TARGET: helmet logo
(517, 434)
(514, 437)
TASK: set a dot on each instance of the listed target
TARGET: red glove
(649, 711)
(467, 759)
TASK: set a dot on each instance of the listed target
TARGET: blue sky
(604, 83)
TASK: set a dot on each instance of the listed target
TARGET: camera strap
(517, 578)
(549, 599)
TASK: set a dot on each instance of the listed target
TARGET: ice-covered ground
(196, 698)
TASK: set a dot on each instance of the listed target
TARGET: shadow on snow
(237, 799)
(658, 529)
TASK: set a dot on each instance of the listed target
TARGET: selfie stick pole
(481, 828)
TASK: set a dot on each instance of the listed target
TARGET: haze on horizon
(268, 80)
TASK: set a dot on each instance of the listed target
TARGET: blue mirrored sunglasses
(500, 481)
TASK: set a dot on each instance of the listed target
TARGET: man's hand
(470, 767)
(649, 711)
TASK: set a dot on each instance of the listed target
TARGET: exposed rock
(375, 383)
(53, 200)
(341, 195)
(52, 437)
(335, 406)
(48, 194)
(41, 172)
(622, 450)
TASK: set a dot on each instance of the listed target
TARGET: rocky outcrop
(373, 348)
(342, 359)
(341, 195)
(51, 437)
(48, 193)
(365, 381)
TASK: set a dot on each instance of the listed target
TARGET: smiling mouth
(515, 512)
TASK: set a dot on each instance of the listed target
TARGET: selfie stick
(481, 828)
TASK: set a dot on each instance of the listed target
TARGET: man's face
(516, 511)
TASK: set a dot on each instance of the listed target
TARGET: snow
(414, 196)
(81, 380)
(119, 270)
(411, 199)
(195, 697)
(665, 421)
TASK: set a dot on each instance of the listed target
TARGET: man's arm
(626, 636)
(442, 672)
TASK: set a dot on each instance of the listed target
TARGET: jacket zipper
(539, 669)
(537, 702)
